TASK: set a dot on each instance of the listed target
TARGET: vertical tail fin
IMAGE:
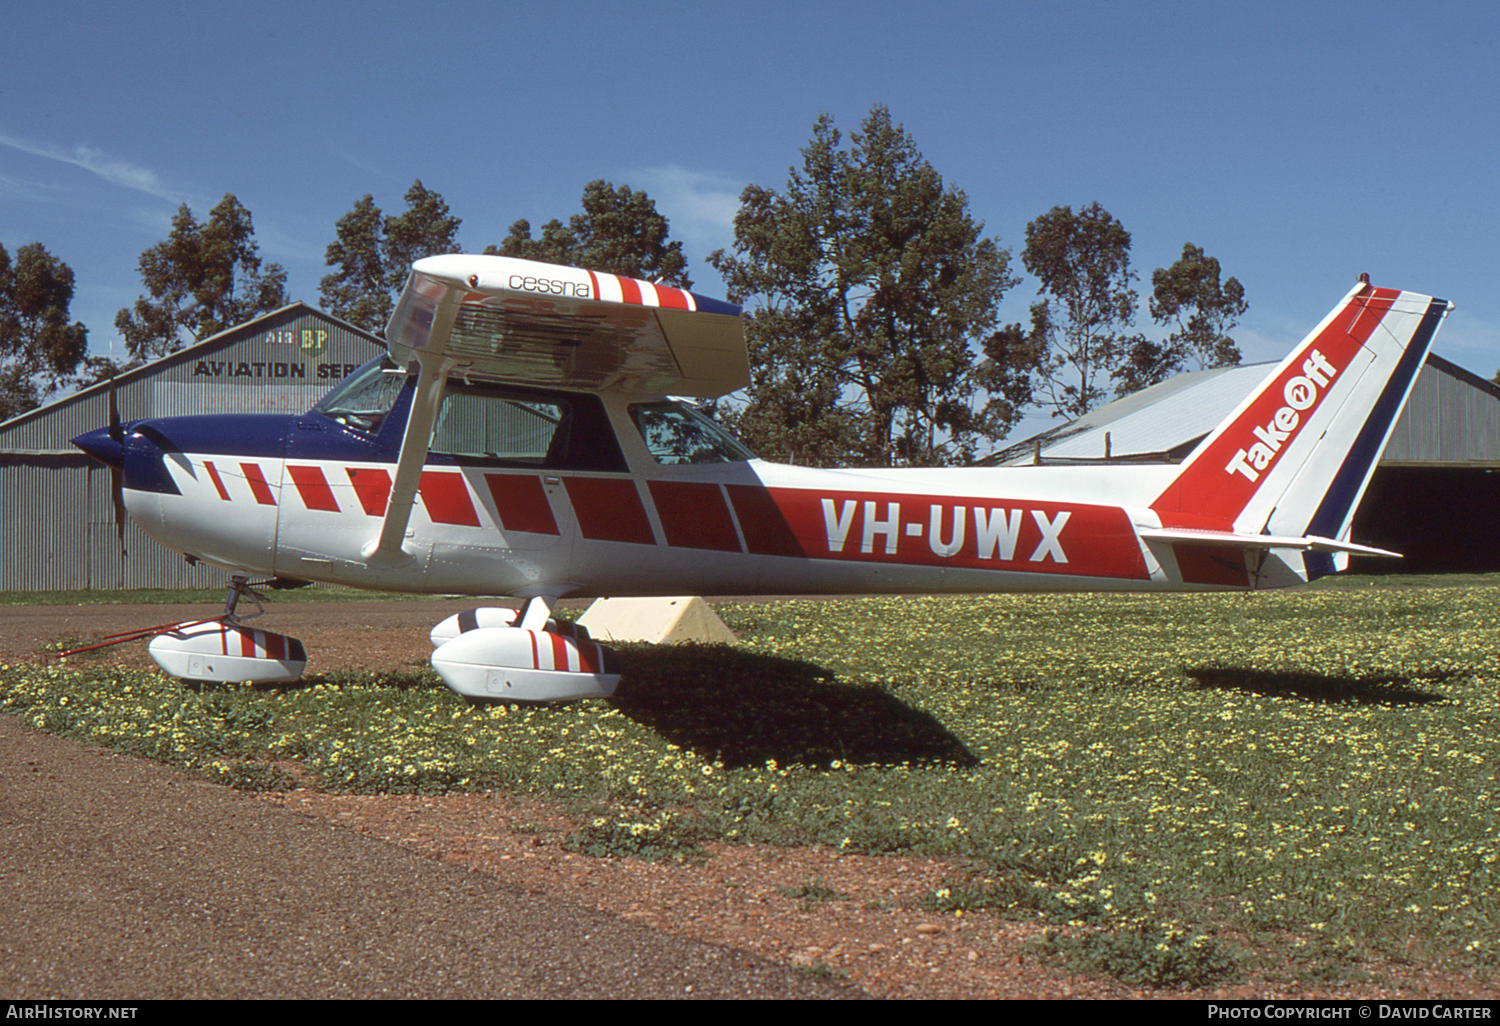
(1294, 458)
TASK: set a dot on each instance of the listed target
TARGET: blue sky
(1299, 143)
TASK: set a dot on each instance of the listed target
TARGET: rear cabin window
(488, 423)
(525, 427)
(677, 434)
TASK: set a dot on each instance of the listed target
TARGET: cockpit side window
(365, 397)
(676, 434)
(525, 427)
(482, 422)
(487, 423)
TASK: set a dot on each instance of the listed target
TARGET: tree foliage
(1192, 297)
(874, 302)
(1080, 333)
(203, 279)
(619, 231)
(39, 349)
(373, 253)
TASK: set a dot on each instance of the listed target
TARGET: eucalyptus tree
(203, 278)
(619, 230)
(1202, 307)
(373, 252)
(873, 304)
(39, 349)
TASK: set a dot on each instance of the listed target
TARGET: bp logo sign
(312, 341)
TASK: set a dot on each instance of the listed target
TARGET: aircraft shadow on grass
(740, 709)
(1373, 689)
(744, 710)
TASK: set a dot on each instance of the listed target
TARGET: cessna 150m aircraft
(517, 439)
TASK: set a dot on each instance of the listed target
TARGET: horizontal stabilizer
(1190, 536)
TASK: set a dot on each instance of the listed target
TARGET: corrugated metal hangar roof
(1452, 418)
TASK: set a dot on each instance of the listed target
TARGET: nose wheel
(221, 650)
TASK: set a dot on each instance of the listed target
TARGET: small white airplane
(517, 439)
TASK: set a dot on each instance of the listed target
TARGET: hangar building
(58, 504)
(1435, 496)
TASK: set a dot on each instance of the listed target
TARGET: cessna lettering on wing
(1301, 394)
(550, 286)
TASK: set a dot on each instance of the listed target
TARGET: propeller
(108, 446)
(116, 474)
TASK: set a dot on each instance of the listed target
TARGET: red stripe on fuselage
(313, 488)
(521, 503)
(693, 515)
(766, 530)
(373, 488)
(609, 509)
(213, 475)
(446, 498)
(1031, 536)
(258, 486)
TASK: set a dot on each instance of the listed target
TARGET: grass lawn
(1311, 772)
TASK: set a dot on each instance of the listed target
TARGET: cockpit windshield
(677, 434)
(363, 399)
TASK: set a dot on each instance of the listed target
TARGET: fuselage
(514, 441)
(559, 493)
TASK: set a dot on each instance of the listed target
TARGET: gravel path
(122, 879)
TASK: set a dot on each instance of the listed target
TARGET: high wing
(506, 320)
(517, 321)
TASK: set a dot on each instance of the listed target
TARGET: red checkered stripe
(554, 652)
(252, 644)
(800, 523)
(619, 289)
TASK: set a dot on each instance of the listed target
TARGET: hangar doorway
(1442, 519)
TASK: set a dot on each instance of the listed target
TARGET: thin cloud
(700, 205)
(1469, 335)
(357, 162)
(116, 172)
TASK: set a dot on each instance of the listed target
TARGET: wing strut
(432, 377)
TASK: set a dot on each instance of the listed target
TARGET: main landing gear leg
(535, 613)
(239, 587)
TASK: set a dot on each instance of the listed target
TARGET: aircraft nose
(103, 446)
